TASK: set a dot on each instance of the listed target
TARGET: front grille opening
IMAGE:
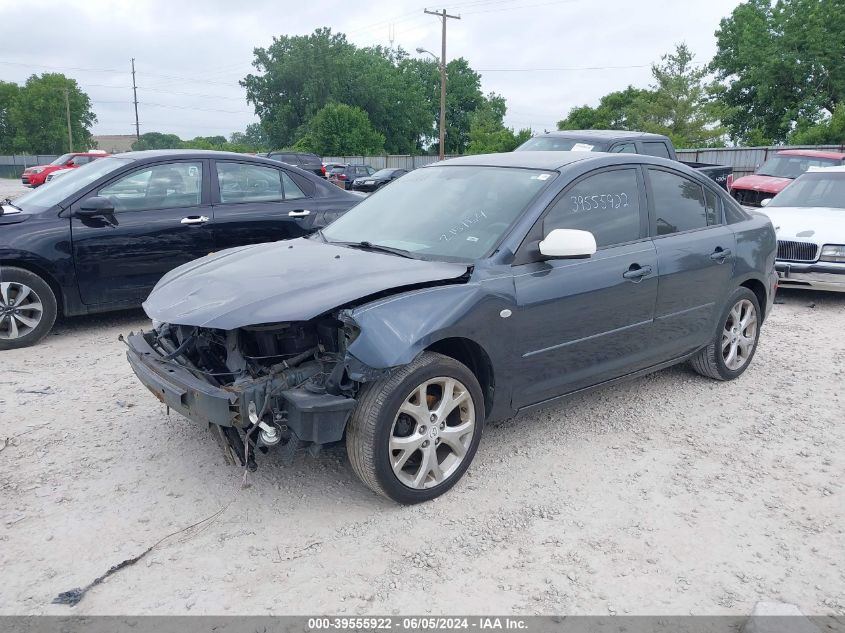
(797, 251)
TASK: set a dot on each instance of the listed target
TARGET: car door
(255, 203)
(161, 220)
(583, 321)
(695, 257)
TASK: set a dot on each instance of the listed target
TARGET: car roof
(154, 154)
(526, 160)
(605, 134)
(813, 153)
(838, 169)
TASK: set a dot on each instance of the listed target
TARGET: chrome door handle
(299, 214)
(720, 255)
(194, 219)
(636, 274)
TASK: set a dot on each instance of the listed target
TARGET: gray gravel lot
(11, 188)
(672, 494)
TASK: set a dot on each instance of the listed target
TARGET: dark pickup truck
(620, 142)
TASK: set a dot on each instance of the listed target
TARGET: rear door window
(241, 182)
(678, 203)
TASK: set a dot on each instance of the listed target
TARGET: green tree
(253, 136)
(8, 94)
(157, 140)
(678, 104)
(37, 114)
(341, 130)
(780, 66)
(487, 132)
(296, 76)
(830, 131)
(620, 110)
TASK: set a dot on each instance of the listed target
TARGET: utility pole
(69, 131)
(135, 96)
(443, 17)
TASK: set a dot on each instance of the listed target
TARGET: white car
(59, 172)
(809, 219)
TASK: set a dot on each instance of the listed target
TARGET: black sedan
(467, 291)
(377, 180)
(100, 238)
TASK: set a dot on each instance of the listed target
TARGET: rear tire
(413, 434)
(733, 346)
(27, 308)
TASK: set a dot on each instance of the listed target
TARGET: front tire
(27, 308)
(413, 434)
(730, 352)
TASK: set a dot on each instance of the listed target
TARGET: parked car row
(778, 172)
(401, 322)
(39, 174)
(363, 178)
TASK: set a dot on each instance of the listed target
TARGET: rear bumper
(312, 417)
(816, 276)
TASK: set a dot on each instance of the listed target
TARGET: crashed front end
(284, 385)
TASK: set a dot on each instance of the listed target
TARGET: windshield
(383, 173)
(786, 166)
(61, 160)
(558, 144)
(813, 190)
(57, 190)
(449, 212)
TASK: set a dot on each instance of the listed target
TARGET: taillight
(323, 170)
(342, 177)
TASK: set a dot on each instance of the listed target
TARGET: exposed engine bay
(285, 385)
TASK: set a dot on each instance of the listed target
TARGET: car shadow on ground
(810, 298)
(124, 319)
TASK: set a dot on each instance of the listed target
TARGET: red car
(36, 176)
(777, 172)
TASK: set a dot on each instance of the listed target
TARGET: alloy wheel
(739, 335)
(20, 310)
(432, 432)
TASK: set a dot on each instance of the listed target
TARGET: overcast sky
(189, 55)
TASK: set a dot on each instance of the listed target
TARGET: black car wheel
(730, 352)
(413, 435)
(27, 308)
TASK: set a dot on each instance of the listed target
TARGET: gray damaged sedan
(467, 291)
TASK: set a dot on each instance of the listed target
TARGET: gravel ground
(672, 494)
(11, 188)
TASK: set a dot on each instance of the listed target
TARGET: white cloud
(204, 48)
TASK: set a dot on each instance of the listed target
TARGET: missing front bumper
(316, 418)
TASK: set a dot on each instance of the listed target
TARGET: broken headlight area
(282, 386)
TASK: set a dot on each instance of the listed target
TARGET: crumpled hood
(821, 225)
(275, 282)
(756, 182)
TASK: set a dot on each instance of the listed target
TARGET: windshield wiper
(369, 246)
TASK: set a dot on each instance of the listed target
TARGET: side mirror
(69, 163)
(94, 206)
(568, 243)
(765, 201)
